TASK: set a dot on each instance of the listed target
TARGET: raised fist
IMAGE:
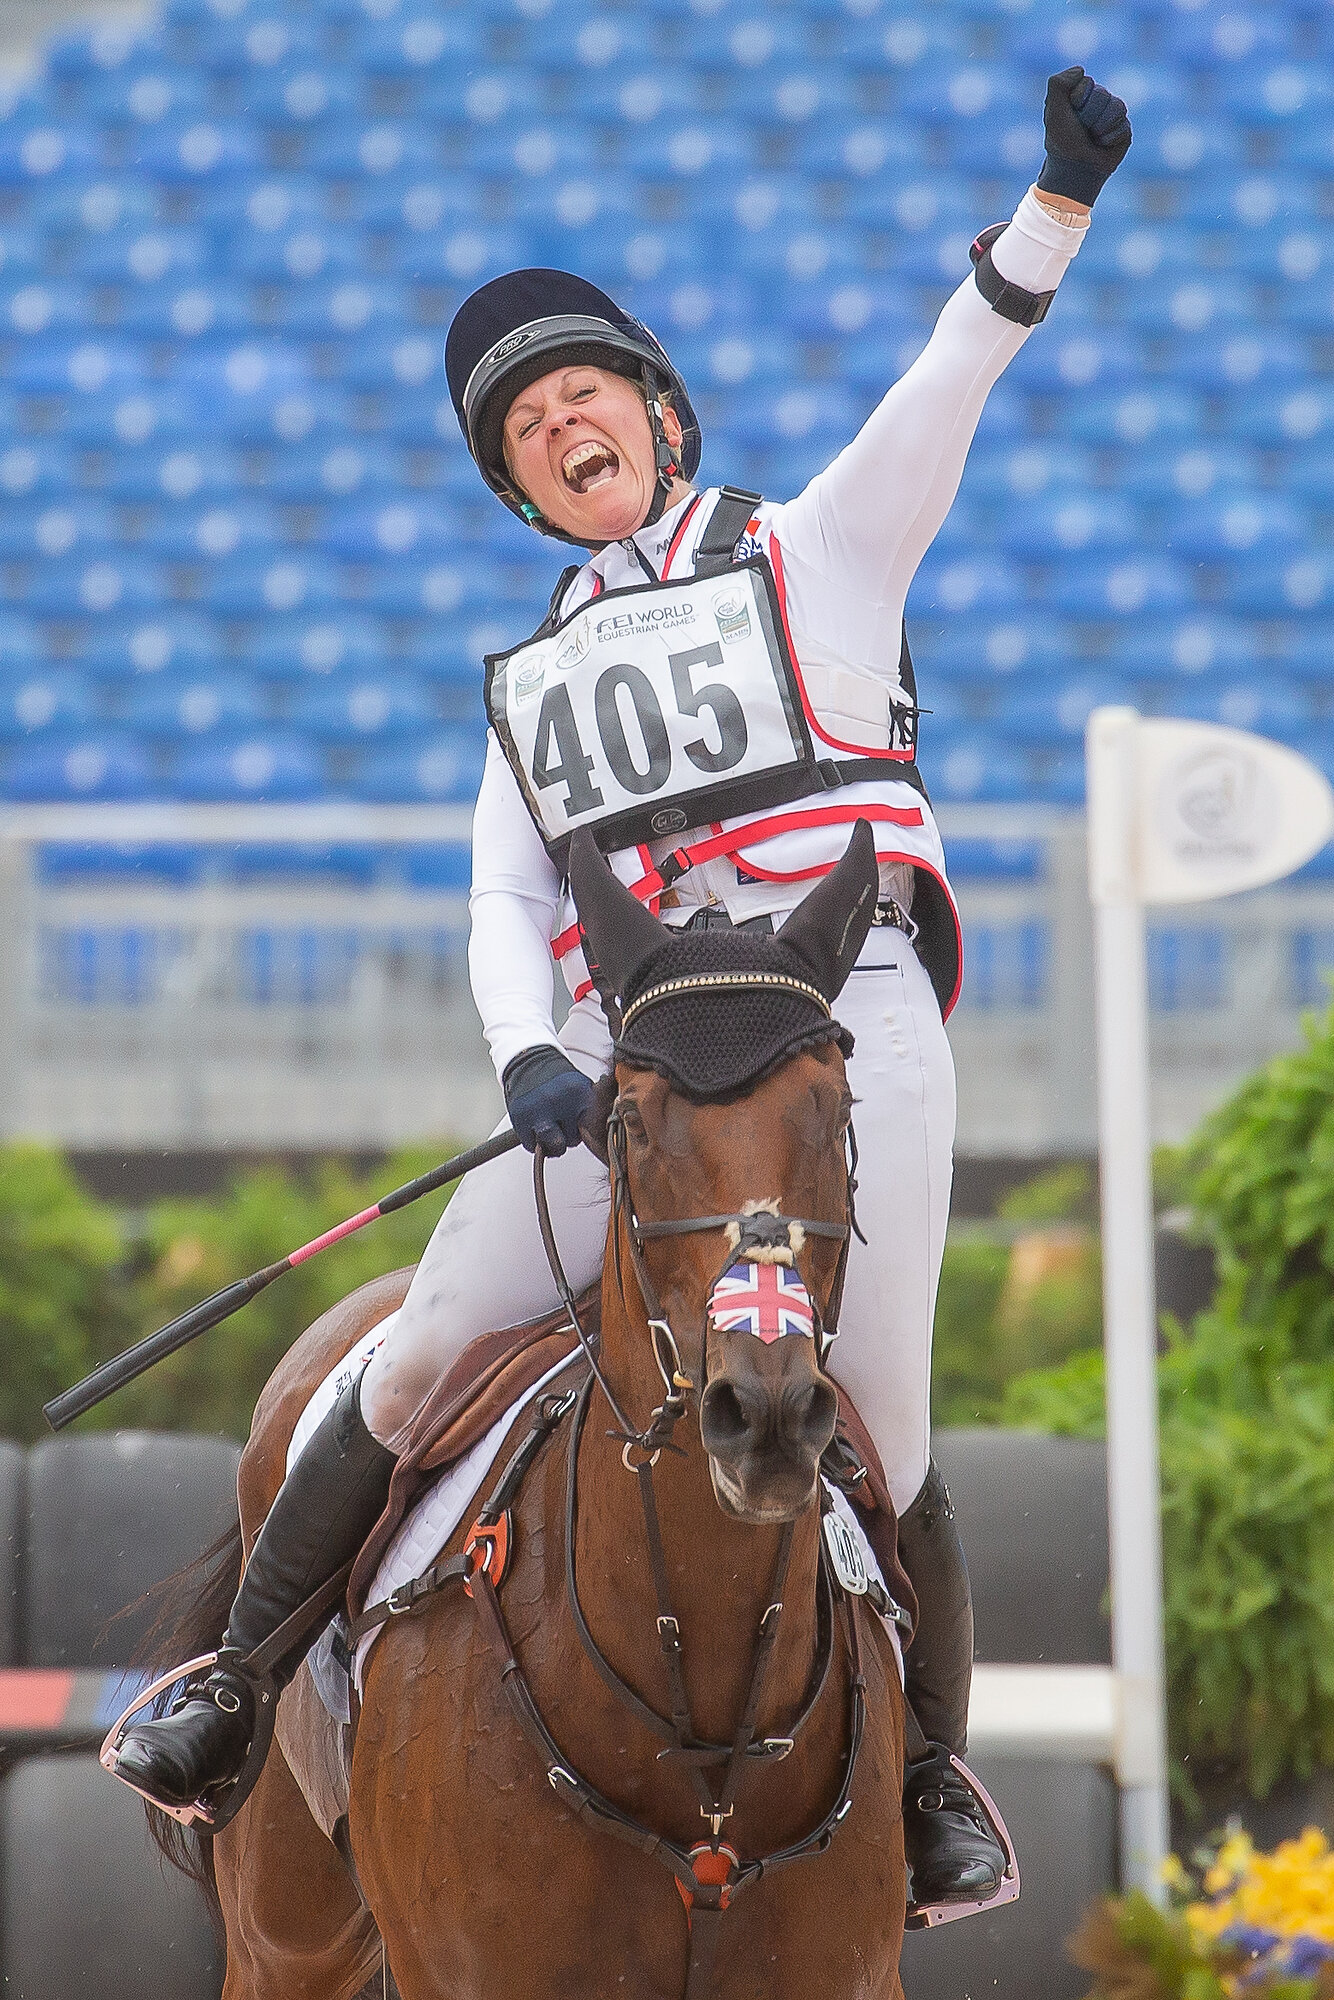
(1088, 136)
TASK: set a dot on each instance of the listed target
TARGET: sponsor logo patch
(528, 681)
(510, 346)
(574, 648)
(733, 616)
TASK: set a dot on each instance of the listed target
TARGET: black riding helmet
(521, 326)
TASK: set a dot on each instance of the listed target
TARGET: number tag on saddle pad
(654, 709)
(846, 1555)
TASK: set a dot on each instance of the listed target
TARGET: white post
(1128, 1296)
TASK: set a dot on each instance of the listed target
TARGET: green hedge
(78, 1281)
(1246, 1397)
(1020, 1294)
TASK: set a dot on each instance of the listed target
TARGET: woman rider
(582, 427)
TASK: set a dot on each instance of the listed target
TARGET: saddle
(497, 1369)
(489, 1377)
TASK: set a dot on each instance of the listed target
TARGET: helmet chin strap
(664, 456)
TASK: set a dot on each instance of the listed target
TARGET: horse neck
(720, 1572)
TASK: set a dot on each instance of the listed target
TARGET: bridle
(763, 1229)
(710, 1874)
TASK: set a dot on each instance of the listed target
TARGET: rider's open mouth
(589, 465)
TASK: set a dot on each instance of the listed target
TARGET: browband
(704, 982)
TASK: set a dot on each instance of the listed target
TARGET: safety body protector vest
(679, 704)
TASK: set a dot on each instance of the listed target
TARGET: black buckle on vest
(731, 516)
(1012, 302)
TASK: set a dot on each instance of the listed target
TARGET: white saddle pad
(426, 1529)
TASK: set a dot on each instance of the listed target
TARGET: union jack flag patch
(767, 1300)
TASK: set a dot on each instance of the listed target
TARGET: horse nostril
(809, 1415)
(723, 1422)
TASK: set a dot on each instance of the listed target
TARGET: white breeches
(485, 1267)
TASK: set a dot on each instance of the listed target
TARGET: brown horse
(471, 1862)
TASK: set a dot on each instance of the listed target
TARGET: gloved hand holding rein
(546, 1096)
(1087, 133)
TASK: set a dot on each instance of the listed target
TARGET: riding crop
(111, 1375)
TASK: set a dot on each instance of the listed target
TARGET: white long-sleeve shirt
(846, 550)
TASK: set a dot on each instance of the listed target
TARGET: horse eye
(632, 1121)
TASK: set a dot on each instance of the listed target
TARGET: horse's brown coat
(485, 1887)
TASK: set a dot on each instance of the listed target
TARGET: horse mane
(189, 1614)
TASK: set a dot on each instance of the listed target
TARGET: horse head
(726, 1139)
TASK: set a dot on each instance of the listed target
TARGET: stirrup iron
(928, 1916)
(209, 1813)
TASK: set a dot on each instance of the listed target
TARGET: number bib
(654, 709)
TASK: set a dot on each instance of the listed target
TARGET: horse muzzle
(765, 1417)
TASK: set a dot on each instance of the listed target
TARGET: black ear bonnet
(716, 1011)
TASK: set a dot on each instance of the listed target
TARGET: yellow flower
(1174, 1876)
(1289, 1892)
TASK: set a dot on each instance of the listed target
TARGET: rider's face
(579, 446)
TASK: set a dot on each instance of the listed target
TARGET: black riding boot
(950, 1846)
(326, 1507)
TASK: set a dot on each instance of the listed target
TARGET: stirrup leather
(220, 1804)
(928, 1916)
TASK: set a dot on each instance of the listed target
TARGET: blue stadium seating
(1281, 586)
(346, 710)
(1131, 586)
(1199, 303)
(1242, 365)
(1306, 303)
(92, 767)
(292, 648)
(443, 769)
(1282, 93)
(1163, 476)
(280, 583)
(271, 766)
(197, 153)
(1234, 524)
(1201, 644)
(58, 529)
(172, 474)
(120, 582)
(213, 533)
(120, 649)
(988, 651)
(1309, 659)
(33, 704)
(231, 480)
(1245, 36)
(173, 706)
(976, 768)
(19, 643)
(1254, 704)
(1301, 411)
(1067, 523)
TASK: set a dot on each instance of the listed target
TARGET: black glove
(546, 1096)
(1088, 136)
